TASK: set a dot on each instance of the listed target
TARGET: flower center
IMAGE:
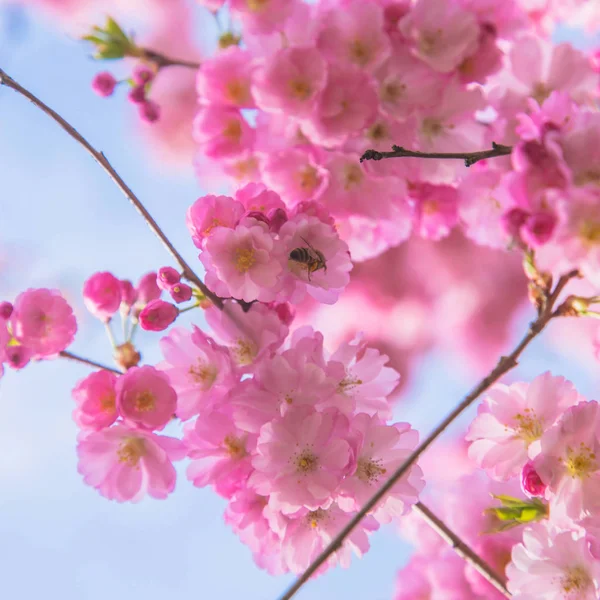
(528, 426)
(131, 450)
(359, 53)
(306, 461)
(589, 232)
(353, 176)
(377, 132)
(233, 131)
(348, 384)
(203, 374)
(244, 259)
(107, 403)
(575, 579)
(214, 223)
(392, 91)
(257, 5)
(145, 402)
(309, 178)
(540, 92)
(428, 41)
(300, 89)
(244, 352)
(589, 176)
(237, 91)
(235, 447)
(431, 127)
(580, 462)
(315, 517)
(369, 470)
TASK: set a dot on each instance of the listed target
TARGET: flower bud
(104, 84)
(157, 315)
(102, 295)
(180, 292)
(18, 356)
(137, 94)
(128, 293)
(126, 356)
(149, 111)
(278, 217)
(531, 482)
(142, 74)
(285, 311)
(167, 277)
(147, 290)
(538, 229)
(6, 309)
(512, 221)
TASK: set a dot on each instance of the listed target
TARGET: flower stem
(161, 61)
(87, 361)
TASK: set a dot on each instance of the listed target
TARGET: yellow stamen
(244, 259)
(131, 450)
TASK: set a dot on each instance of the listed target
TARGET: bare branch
(470, 158)
(462, 549)
(87, 361)
(187, 271)
(505, 364)
(161, 61)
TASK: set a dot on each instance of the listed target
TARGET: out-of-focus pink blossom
(149, 111)
(147, 289)
(43, 321)
(18, 357)
(142, 74)
(157, 315)
(262, 16)
(104, 84)
(6, 309)
(125, 464)
(102, 295)
(95, 397)
(222, 131)
(435, 210)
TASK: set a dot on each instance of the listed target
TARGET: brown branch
(470, 158)
(505, 364)
(87, 361)
(161, 61)
(187, 271)
(462, 549)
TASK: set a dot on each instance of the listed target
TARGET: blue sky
(61, 219)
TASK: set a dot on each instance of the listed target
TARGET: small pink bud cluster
(39, 324)
(253, 248)
(104, 85)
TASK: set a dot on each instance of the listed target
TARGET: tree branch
(505, 364)
(462, 549)
(87, 361)
(470, 158)
(161, 61)
(187, 271)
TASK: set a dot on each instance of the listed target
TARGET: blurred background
(62, 219)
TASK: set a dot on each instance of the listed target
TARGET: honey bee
(309, 256)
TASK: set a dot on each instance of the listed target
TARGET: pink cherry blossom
(180, 292)
(512, 419)
(43, 321)
(225, 79)
(145, 398)
(222, 131)
(6, 309)
(157, 315)
(220, 453)
(568, 461)
(354, 35)
(262, 16)
(257, 197)
(531, 483)
(199, 370)
(290, 81)
(551, 566)
(209, 212)
(125, 464)
(149, 111)
(95, 397)
(102, 295)
(347, 104)
(306, 534)
(443, 34)
(147, 289)
(166, 277)
(18, 357)
(142, 74)
(243, 263)
(435, 209)
(301, 458)
(104, 84)
(379, 450)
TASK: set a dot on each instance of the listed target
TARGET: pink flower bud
(102, 295)
(285, 311)
(142, 74)
(147, 290)
(104, 84)
(6, 309)
(259, 216)
(180, 292)
(167, 277)
(278, 217)
(538, 228)
(128, 293)
(157, 315)
(18, 356)
(137, 94)
(149, 111)
(531, 483)
(513, 220)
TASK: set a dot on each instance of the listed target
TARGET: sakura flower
(580, 151)
(354, 35)
(6, 309)
(220, 453)
(256, 197)
(199, 370)
(568, 462)
(250, 336)
(552, 566)
(210, 212)
(308, 533)
(443, 34)
(145, 397)
(225, 78)
(262, 16)
(166, 277)
(222, 132)
(512, 419)
(363, 380)
(347, 104)
(125, 463)
(435, 210)
(301, 458)
(290, 81)
(157, 315)
(95, 397)
(379, 450)
(43, 321)
(243, 263)
(102, 295)
(147, 289)
(104, 84)
(180, 292)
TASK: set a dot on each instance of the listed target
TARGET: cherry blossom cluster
(248, 245)
(295, 439)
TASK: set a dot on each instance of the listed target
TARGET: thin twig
(470, 158)
(505, 364)
(187, 271)
(87, 361)
(161, 61)
(462, 549)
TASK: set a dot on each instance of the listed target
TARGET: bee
(309, 256)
